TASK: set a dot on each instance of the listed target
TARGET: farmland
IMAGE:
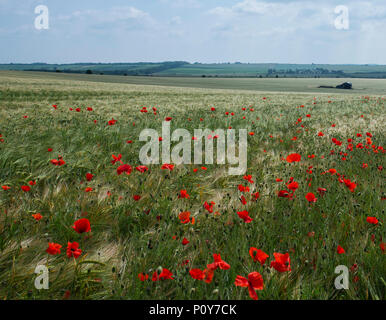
(58, 135)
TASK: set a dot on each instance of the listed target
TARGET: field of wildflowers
(75, 198)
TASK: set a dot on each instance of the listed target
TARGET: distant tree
(89, 71)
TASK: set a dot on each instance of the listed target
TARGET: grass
(130, 237)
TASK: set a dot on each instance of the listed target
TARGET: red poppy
(185, 242)
(340, 250)
(58, 162)
(112, 122)
(311, 197)
(165, 274)
(243, 200)
(218, 263)
(282, 262)
(349, 184)
(143, 277)
(53, 248)
(73, 250)
(116, 159)
(124, 168)
(5, 188)
(244, 215)
(372, 220)
(210, 206)
(88, 189)
(322, 191)
(82, 225)
(183, 194)
(89, 176)
(284, 194)
(197, 274)
(254, 282)
(293, 186)
(294, 157)
(258, 255)
(185, 217)
(255, 195)
(37, 216)
(142, 169)
(26, 188)
(248, 178)
(136, 197)
(167, 166)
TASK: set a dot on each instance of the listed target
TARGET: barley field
(75, 198)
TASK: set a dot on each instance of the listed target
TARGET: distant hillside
(186, 69)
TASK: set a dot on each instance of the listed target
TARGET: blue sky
(298, 31)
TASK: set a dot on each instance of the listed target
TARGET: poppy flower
(165, 274)
(112, 122)
(209, 207)
(88, 189)
(185, 217)
(143, 277)
(243, 189)
(197, 274)
(248, 178)
(185, 242)
(294, 157)
(37, 216)
(26, 188)
(258, 255)
(183, 194)
(218, 263)
(116, 159)
(89, 176)
(349, 184)
(253, 283)
(58, 162)
(322, 191)
(244, 215)
(167, 166)
(311, 197)
(293, 186)
(5, 188)
(82, 226)
(124, 168)
(136, 197)
(32, 183)
(53, 248)
(372, 220)
(284, 194)
(282, 262)
(73, 250)
(340, 250)
(255, 195)
(142, 169)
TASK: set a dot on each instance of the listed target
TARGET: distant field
(312, 198)
(185, 69)
(299, 85)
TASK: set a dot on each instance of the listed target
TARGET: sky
(208, 31)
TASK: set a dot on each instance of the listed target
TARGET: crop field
(75, 198)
